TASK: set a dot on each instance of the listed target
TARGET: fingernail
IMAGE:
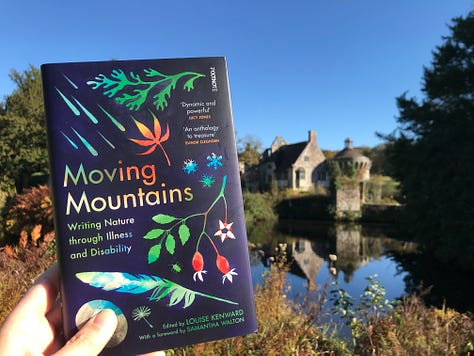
(105, 319)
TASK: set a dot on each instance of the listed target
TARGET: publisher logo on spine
(212, 72)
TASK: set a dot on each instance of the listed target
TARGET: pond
(363, 251)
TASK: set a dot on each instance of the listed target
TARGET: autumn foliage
(30, 218)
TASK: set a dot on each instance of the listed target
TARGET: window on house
(306, 158)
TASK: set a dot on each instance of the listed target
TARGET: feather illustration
(160, 288)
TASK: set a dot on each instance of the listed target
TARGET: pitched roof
(286, 155)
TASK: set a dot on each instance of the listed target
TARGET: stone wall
(348, 200)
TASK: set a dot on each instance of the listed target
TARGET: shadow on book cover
(148, 203)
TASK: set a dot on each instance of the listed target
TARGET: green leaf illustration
(154, 253)
(154, 234)
(133, 90)
(189, 85)
(189, 299)
(124, 282)
(177, 297)
(160, 99)
(184, 233)
(164, 219)
(170, 244)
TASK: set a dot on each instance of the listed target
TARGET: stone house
(299, 166)
(350, 195)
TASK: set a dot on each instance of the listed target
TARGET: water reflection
(309, 245)
(362, 251)
(307, 259)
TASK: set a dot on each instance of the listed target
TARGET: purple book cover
(148, 203)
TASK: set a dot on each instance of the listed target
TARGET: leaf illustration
(184, 233)
(153, 234)
(145, 131)
(161, 101)
(152, 139)
(133, 90)
(164, 219)
(177, 296)
(189, 299)
(189, 85)
(154, 253)
(170, 244)
(123, 282)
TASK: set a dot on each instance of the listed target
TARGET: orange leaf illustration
(152, 139)
(145, 131)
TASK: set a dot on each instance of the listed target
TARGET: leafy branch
(170, 223)
(132, 91)
(160, 288)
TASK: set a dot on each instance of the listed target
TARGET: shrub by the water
(258, 208)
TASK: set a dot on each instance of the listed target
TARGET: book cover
(148, 203)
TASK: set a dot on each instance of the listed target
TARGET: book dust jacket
(148, 203)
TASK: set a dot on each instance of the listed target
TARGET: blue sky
(334, 66)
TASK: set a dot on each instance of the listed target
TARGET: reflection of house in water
(308, 261)
(355, 246)
(353, 251)
(349, 249)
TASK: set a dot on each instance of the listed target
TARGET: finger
(92, 337)
(55, 317)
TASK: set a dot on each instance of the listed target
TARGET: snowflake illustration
(215, 161)
(207, 181)
(189, 166)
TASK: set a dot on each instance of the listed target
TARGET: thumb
(92, 337)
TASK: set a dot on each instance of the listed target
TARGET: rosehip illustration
(224, 267)
(198, 265)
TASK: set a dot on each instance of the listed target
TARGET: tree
(432, 150)
(249, 150)
(380, 165)
(23, 143)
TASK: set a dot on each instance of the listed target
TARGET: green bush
(258, 208)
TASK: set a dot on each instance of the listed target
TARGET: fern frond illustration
(132, 90)
(160, 288)
(152, 139)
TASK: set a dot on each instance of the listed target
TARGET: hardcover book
(148, 203)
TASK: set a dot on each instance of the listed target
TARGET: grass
(19, 268)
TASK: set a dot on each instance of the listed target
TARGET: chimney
(312, 137)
